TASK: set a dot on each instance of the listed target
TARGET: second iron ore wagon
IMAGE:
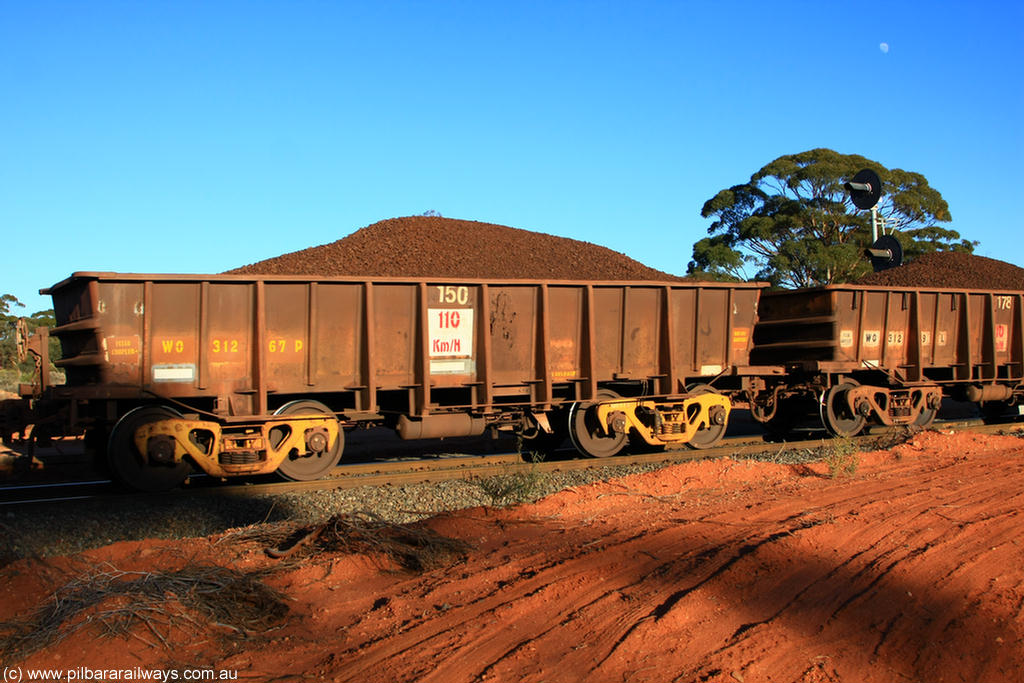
(887, 355)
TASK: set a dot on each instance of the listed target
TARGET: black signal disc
(886, 243)
(865, 199)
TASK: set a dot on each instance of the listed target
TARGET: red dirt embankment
(912, 569)
(432, 247)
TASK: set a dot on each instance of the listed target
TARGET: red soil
(911, 569)
(432, 246)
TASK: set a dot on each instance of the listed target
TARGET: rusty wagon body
(890, 354)
(241, 374)
(238, 374)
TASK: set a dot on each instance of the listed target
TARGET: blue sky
(200, 136)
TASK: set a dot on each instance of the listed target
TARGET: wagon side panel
(513, 323)
(609, 306)
(172, 341)
(119, 315)
(743, 318)
(339, 336)
(641, 332)
(566, 335)
(227, 338)
(397, 335)
(715, 315)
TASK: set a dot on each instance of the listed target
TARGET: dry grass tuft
(892, 437)
(118, 602)
(411, 547)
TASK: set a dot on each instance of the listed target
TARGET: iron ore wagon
(887, 355)
(240, 375)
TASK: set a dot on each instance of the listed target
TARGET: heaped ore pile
(432, 246)
(955, 269)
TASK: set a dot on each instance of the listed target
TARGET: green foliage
(842, 457)
(794, 223)
(515, 486)
(8, 350)
(14, 371)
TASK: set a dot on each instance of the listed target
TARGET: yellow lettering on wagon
(122, 348)
(224, 346)
(284, 346)
(172, 345)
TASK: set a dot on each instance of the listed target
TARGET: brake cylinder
(439, 426)
(989, 392)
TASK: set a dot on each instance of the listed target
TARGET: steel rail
(447, 468)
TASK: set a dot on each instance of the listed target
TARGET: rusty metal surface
(917, 334)
(245, 343)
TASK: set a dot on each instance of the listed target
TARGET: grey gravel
(65, 528)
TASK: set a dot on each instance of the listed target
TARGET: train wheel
(129, 467)
(587, 435)
(311, 465)
(925, 419)
(836, 415)
(929, 410)
(711, 435)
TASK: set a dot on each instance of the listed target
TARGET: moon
(884, 47)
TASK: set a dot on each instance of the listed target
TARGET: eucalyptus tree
(794, 225)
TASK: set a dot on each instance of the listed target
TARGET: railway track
(444, 468)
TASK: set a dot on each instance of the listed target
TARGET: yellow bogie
(661, 423)
(248, 449)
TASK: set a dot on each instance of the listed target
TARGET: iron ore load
(264, 369)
